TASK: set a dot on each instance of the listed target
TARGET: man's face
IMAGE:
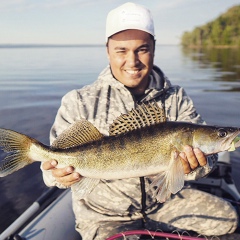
(131, 54)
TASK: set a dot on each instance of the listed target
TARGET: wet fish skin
(147, 150)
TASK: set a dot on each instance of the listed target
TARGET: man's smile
(131, 71)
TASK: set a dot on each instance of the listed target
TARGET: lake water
(33, 80)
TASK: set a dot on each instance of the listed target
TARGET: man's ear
(107, 49)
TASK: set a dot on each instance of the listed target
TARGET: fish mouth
(235, 142)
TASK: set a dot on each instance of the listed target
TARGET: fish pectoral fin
(158, 187)
(78, 133)
(169, 182)
(84, 187)
(176, 175)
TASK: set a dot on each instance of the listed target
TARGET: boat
(56, 221)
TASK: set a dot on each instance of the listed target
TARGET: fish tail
(17, 148)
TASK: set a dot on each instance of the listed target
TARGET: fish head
(214, 139)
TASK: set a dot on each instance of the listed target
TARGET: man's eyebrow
(144, 46)
(120, 48)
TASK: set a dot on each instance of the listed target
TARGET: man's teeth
(132, 71)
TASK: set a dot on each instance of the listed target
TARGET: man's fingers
(70, 179)
(193, 162)
(186, 167)
(61, 172)
(202, 160)
(66, 176)
(49, 165)
(192, 158)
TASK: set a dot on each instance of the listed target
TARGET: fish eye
(222, 133)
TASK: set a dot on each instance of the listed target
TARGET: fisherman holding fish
(131, 78)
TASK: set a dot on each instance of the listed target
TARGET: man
(131, 78)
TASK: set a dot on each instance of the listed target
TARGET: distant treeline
(224, 31)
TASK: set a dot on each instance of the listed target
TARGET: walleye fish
(140, 143)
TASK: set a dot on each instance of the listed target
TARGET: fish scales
(157, 143)
(141, 143)
(130, 155)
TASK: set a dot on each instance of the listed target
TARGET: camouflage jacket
(100, 103)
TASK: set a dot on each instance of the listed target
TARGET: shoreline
(211, 46)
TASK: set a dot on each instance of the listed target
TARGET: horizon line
(29, 45)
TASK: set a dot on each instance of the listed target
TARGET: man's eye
(121, 51)
(143, 50)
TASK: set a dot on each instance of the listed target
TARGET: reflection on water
(33, 80)
(224, 62)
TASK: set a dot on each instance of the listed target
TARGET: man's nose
(132, 59)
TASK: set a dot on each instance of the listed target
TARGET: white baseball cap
(129, 16)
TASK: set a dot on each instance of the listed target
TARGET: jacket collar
(158, 83)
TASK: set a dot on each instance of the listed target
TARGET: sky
(83, 21)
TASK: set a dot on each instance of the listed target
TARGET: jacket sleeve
(66, 115)
(187, 112)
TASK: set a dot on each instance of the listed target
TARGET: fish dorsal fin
(143, 115)
(78, 133)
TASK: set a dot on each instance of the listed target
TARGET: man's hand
(192, 158)
(65, 176)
